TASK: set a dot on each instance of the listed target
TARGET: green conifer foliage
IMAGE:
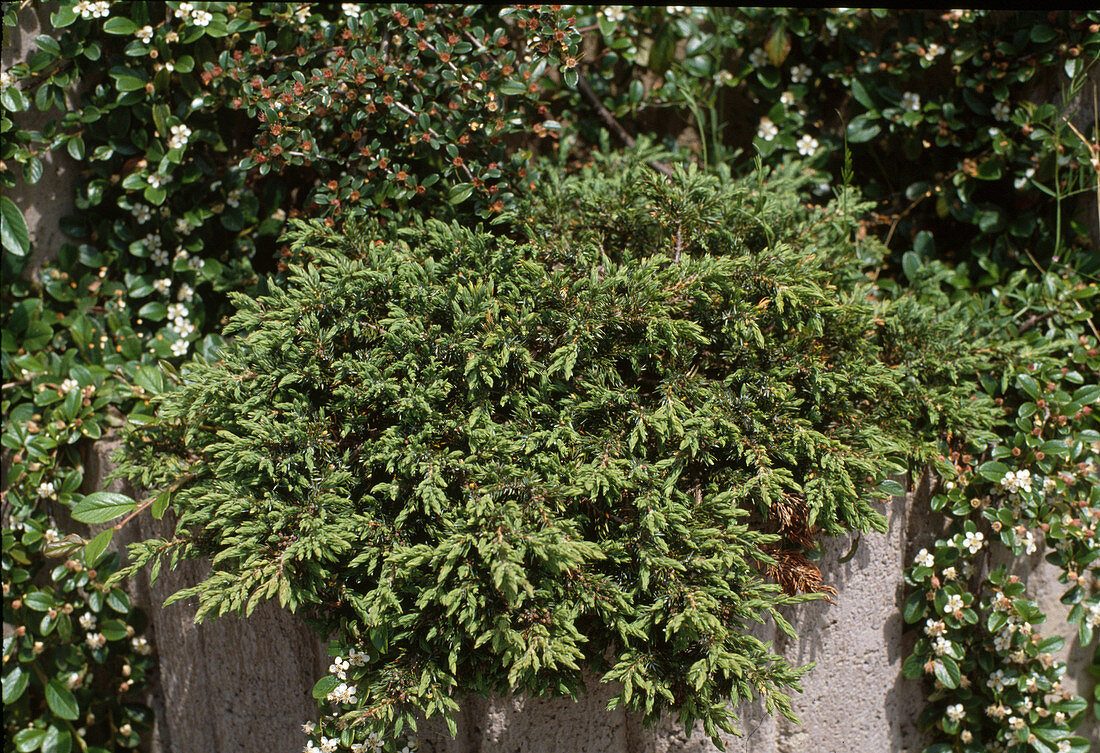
(500, 462)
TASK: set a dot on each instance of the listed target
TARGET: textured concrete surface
(227, 685)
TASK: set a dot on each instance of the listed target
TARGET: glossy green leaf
(120, 25)
(28, 739)
(13, 228)
(61, 700)
(324, 686)
(97, 546)
(101, 507)
(15, 682)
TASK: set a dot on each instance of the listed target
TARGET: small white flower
(46, 489)
(156, 180)
(910, 101)
(95, 640)
(89, 9)
(973, 541)
(152, 241)
(956, 713)
(1016, 723)
(185, 293)
(925, 559)
(1059, 717)
(807, 145)
(800, 74)
(1021, 182)
(195, 263)
(373, 742)
(767, 130)
(74, 681)
(1064, 746)
(1029, 543)
(141, 213)
(758, 58)
(941, 646)
(233, 198)
(162, 285)
(614, 13)
(6, 80)
(932, 52)
(145, 34)
(351, 10)
(302, 14)
(339, 667)
(171, 37)
(177, 311)
(87, 621)
(343, 693)
(179, 347)
(184, 226)
(307, 728)
(141, 645)
(787, 98)
(125, 730)
(949, 573)
(1093, 618)
(966, 735)
(68, 385)
(998, 711)
(160, 257)
(358, 658)
(201, 17)
(179, 137)
(996, 681)
(934, 628)
(184, 10)
(328, 744)
(183, 327)
(1001, 111)
(954, 604)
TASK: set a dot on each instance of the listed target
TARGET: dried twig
(1031, 321)
(614, 125)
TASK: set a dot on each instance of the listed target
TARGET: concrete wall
(225, 686)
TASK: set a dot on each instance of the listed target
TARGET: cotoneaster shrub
(491, 463)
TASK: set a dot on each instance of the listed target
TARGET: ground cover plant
(200, 128)
(482, 464)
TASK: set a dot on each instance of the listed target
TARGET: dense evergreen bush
(495, 462)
